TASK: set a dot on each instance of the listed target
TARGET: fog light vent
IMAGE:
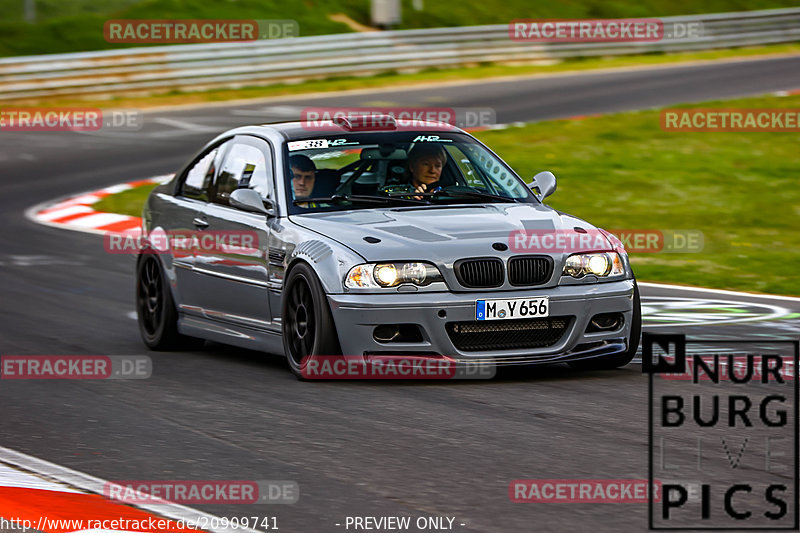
(386, 333)
(605, 322)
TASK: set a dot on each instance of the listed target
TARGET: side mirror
(543, 184)
(250, 200)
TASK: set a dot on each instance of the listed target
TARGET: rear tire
(155, 309)
(307, 323)
(622, 359)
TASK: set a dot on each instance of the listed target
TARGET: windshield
(367, 170)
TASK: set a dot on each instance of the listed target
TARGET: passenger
(303, 175)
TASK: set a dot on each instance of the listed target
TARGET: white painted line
(719, 291)
(12, 477)
(183, 125)
(86, 199)
(114, 189)
(96, 485)
(98, 219)
(65, 212)
(687, 317)
(283, 111)
(49, 206)
(66, 226)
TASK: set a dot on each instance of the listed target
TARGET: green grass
(128, 202)
(77, 25)
(622, 171)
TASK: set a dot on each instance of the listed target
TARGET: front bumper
(357, 315)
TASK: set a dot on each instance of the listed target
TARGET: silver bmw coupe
(398, 238)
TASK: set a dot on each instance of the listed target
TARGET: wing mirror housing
(543, 184)
(251, 201)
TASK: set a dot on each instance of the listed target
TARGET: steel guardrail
(201, 66)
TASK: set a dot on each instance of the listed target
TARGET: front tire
(622, 359)
(308, 327)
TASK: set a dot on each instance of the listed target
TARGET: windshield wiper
(364, 198)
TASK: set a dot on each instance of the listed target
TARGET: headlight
(601, 264)
(386, 275)
(380, 275)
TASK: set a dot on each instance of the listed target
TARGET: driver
(425, 163)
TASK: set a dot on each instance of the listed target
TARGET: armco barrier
(197, 66)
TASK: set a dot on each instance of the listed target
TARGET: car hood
(437, 233)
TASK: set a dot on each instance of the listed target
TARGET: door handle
(200, 223)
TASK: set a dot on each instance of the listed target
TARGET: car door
(193, 193)
(235, 267)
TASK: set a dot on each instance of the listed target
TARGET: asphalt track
(355, 448)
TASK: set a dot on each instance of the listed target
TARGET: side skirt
(243, 337)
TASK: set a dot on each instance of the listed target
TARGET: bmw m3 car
(409, 238)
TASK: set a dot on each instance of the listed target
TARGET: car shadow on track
(277, 367)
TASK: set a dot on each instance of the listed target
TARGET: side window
(247, 164)
(199, 176)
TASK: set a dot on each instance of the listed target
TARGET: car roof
(301, 130)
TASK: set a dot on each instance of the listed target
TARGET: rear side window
(248, 164)
(198, 177)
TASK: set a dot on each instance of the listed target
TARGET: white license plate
(511, 308)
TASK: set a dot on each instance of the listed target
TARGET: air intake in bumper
(476, 336)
